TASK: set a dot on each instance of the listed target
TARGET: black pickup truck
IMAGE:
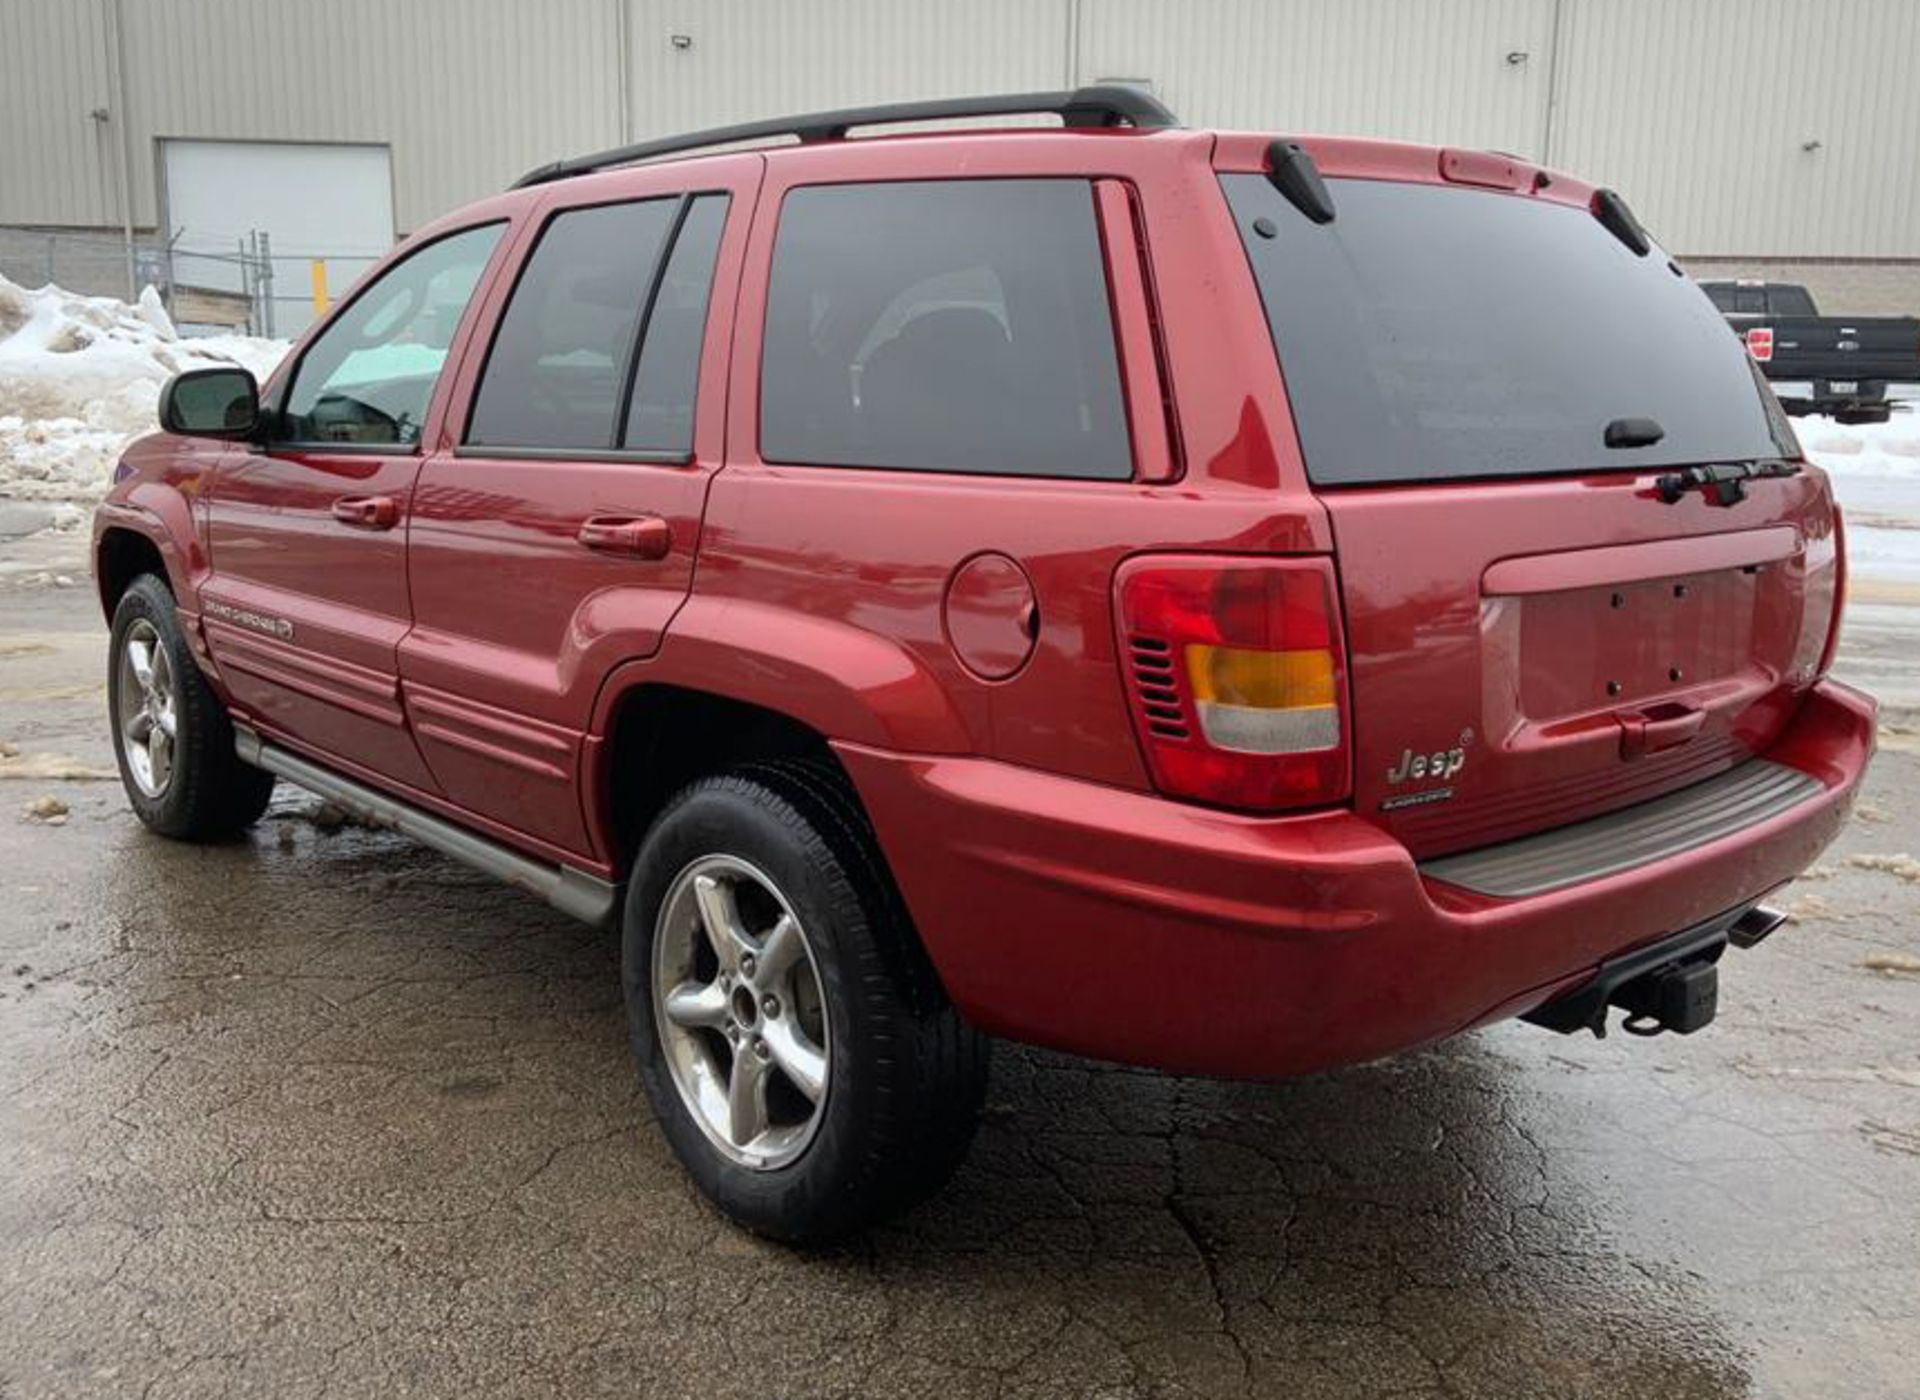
(1844, 362)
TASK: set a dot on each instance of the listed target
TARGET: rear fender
(840, 681)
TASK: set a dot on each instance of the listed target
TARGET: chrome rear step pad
(567, 889)
(1629, 838)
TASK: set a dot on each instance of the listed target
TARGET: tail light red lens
(1237, 679)
(1839, 603)
(1760, 343)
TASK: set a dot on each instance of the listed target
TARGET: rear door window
(953, 325)
(660, 417)
(608, 292)
(1435, 333)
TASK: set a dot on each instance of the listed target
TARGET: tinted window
(554, 375)
(954, 325)
(1789, 300)
(369, 375)
(1750, 301)
(660, 418)
(1720, 294)
(1432, 332)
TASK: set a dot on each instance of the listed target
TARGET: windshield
(1431, 333)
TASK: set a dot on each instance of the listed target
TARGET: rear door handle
(636, 536)
(1657, 728)
(367, 512)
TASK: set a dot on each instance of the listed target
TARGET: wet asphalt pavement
(321, 1113)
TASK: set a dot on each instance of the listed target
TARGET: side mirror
(215, 403)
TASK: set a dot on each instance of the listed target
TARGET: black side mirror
(217, 403)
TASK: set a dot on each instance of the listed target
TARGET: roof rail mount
(1109, 105)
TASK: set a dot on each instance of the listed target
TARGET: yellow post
(320, 302)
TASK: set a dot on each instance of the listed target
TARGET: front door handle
(636, 536)
(367, 512)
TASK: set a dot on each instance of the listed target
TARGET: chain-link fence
(250, 286)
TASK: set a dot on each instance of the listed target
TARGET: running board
(572, 891)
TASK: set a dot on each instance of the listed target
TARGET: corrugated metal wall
(1410, 69)
(466, 92)
(1699, 113)
(1697, 109)
(57, 164)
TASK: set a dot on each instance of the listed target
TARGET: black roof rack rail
(1112, 105)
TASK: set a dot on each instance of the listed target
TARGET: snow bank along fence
(203, 286)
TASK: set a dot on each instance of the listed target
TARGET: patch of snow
(1876, 477)
(80, 377)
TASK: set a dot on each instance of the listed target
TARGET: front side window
(943, 325)
(368, 377)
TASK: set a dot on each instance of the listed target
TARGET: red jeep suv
(1231, 604)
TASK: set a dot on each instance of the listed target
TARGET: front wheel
(171, 737)
(800, 1056)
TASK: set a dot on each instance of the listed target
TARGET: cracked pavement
(323, 1114)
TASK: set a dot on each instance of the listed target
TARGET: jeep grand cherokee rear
(1227, 604)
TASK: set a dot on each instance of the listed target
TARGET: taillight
(1760, 343)
(1237, 678)
(1839, 592)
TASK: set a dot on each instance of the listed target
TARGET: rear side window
(1432, 333)
(660, 418)
(1792, 301)
(604, 290)
(957, 325)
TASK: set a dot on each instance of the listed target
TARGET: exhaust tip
(1754, 926)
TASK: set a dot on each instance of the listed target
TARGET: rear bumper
(1124, 926)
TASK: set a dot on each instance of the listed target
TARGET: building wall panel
(1410, 69)
(57, 164)
(1699, 113)
(743, 59)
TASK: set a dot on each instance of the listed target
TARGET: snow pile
(81, 376)
(1876, 476)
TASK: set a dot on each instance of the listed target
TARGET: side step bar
(575, 892)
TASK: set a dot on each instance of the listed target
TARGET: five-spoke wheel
(799, 1053)
(149, 708)
(741, 1014)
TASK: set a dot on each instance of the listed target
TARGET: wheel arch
(659, 736)
(736, 681)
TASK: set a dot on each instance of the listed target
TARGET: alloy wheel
(741, 1012)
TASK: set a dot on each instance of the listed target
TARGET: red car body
(427, 622)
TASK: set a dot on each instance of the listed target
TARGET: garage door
(333, 203)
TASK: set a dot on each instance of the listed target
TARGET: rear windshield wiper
(1725, 482)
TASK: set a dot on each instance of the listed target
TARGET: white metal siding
(1410, 69)
(760, 58)
(1695, 109)
(1697, 113)
(57, 164)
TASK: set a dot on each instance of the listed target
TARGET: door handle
(367, 512)
(1657, 728)
(637, 536)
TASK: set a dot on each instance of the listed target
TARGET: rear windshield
(1433, 333)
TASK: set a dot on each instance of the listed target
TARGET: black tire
(906, 1076)
(209, 794)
